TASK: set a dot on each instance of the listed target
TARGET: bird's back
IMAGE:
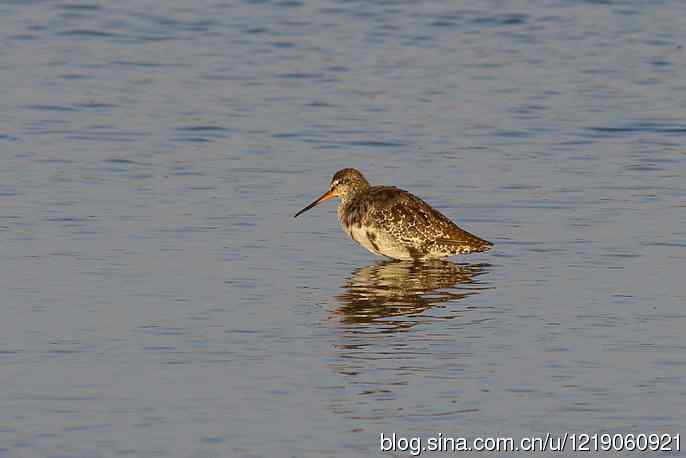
(403, 226)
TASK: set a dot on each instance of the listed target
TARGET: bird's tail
(467, 244)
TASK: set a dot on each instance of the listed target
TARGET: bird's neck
(348, 197)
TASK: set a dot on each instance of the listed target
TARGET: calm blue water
(160, 300)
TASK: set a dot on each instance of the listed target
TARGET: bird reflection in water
(387, 291)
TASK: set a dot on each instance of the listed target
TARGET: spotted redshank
(391, 222)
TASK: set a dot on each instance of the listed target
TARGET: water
(160, 300)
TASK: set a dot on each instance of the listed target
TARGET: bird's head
(345, 183)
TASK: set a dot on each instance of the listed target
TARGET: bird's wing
(405, 216)
(408, 218)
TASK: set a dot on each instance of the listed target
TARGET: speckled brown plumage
(391, 222)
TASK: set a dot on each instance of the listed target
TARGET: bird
(391, 222)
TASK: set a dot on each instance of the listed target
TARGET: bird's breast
(377, 241)
(365, 237)
(353, 213)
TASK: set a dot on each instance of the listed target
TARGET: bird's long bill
(326, 196)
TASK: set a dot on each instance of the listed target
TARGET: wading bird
(391, 222)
